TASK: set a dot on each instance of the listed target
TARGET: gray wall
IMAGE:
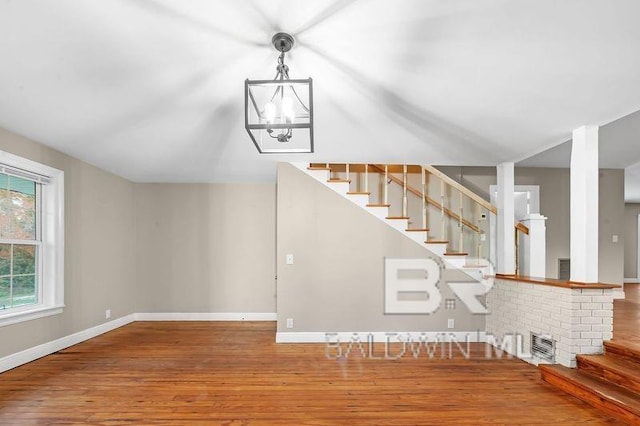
(99, 248)
(611, 213)
(206, 247)
(152, 248)
(555, 205)
(337, 280)
(631, 212)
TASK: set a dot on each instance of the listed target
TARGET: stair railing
(444, 204)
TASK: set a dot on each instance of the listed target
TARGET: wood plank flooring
(626, 315)
(233, 373)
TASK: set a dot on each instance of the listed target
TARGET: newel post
(534, 246)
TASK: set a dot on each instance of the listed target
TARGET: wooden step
(451, 253)
(616, 370)
(623, 349)
(397, 217)
(437, 242)
(336, 180)
(358, 193)
(601, 394)
(318, 168)
(417, 230)
(378, 205)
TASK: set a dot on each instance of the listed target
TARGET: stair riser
(399, 224)
(591, 398)
(622, 352)
(455, 262)
(609, 375)
(360, 199)
(319, 175)
(474, 273)
(438, 249)
(418, 237)
(379, 212)
(340, 187)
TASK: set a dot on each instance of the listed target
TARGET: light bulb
(287, 110)
(270, 112)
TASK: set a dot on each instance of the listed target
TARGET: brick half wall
(577, 319)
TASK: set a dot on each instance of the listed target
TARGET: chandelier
(279, 112)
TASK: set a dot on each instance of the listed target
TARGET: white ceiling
(152, 90)
(619, 148)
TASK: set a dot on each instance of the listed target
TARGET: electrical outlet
(614, 238)
(451, 323)
(289, 322)
(107, 313)
(289, 259)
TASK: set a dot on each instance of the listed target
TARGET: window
(31, 240)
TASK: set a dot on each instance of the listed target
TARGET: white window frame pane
(38, 271)
(50, 232)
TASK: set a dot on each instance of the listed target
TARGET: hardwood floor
(234, 373)
(626, 315)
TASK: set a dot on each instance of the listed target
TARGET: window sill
(29, 314)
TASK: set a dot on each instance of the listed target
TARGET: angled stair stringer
(439, 248)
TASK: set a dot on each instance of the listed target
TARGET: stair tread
(453, 253)
(339, 180)
(358, 193)
(318, 168)
(417, 230)
(378, 205)
(397, 217)
(613, 363)
(594, 385)
(437, 241)
(623, 348)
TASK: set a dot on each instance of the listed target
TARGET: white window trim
(52, 245)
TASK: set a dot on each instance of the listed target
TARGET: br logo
(423, 278)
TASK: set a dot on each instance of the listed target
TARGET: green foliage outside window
(18, 271)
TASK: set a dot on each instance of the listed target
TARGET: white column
(584, 205)
(506, 251)
(535, 246)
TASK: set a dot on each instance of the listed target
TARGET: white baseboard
(31, 354)
(206, 316)
(632, 280)
(379, 336)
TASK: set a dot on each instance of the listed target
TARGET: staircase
(338, 178)
(609, 382)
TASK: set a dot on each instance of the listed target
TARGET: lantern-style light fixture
(279, 112)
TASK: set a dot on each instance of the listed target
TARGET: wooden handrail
(522, 228)
(430, 200)
(475, 197)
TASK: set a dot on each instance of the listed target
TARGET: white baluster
(386, 180)
(366, 178)
(404, 190)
